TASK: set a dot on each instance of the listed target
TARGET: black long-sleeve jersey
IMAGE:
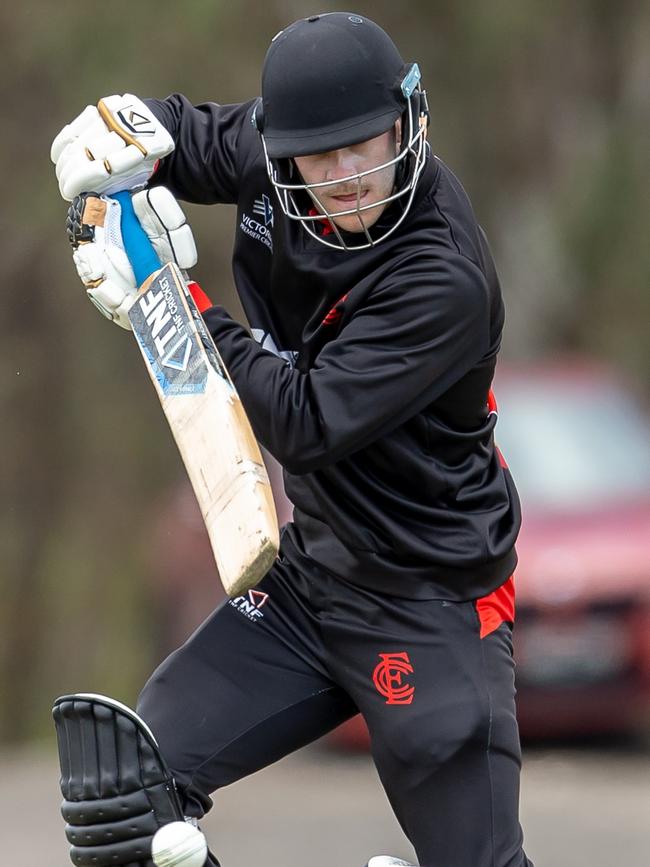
(369, 372)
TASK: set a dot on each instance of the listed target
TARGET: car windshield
(571, 447)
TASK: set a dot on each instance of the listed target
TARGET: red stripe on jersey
(335, 313)
(496, 608)
(200, 298)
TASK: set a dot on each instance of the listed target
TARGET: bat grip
(142, 256)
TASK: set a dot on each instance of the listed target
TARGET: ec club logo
(387, 677)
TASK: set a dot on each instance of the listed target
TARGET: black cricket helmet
(331, 81)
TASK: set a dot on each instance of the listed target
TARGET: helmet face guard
(330, 82)
(300, 201)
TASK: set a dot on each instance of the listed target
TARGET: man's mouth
(349, 198)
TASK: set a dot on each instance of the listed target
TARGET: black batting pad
(116, 787)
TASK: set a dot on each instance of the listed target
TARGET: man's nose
(342, 164)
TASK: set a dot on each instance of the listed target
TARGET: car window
(573, 447)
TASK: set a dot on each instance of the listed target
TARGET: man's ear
(398, 135)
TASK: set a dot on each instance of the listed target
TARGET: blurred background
(542, 109)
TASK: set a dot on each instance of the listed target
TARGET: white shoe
(388, 861)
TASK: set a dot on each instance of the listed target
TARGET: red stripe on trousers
(497, 607)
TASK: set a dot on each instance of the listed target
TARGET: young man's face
(335, 165)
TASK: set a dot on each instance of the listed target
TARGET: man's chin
(353, 222)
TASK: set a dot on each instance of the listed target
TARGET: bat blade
(212, 432)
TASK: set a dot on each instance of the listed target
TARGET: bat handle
(142, 256)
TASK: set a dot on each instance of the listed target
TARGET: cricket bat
(205, 414)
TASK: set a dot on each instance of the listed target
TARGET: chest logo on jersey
(250, 605)
(260, 224)
(387, 678)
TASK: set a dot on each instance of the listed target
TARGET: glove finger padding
(112, 147)
(116, 786)
(163, 220)
(71, 131)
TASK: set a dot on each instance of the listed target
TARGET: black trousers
(272, 671)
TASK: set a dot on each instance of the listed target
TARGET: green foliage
(541, 108)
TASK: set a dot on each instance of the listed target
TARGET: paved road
(580, 808)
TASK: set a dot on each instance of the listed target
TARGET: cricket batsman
(375, 321)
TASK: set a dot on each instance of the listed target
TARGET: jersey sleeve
(204, 167)
(404, 346)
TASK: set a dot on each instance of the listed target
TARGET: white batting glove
(93, 227)
(114, 146)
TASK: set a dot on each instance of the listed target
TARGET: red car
(578, 445)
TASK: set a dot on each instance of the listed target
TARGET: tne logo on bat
(167, 329)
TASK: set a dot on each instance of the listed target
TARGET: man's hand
(109, 148)
(93, 228)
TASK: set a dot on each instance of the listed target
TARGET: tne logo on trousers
(387, 677)
(250, 604)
